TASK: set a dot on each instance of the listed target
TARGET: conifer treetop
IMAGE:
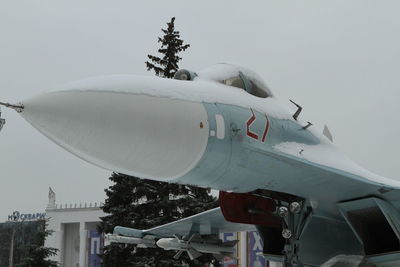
(171, 46)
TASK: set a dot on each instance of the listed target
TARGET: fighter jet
(222, 128)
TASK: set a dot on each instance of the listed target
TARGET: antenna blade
(327, 133)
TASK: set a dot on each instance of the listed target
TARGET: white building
(75, 234)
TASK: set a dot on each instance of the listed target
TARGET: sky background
(339, 59)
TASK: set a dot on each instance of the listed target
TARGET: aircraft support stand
(295, 219)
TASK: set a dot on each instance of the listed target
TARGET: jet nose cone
(146, 136)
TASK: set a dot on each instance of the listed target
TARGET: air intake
(376, 224)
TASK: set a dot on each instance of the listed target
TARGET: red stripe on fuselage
(266, 129)
(248, 124)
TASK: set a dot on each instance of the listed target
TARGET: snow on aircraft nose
(125, 131)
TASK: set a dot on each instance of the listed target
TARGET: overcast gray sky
(339, 59)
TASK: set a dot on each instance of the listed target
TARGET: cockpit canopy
(230, 75)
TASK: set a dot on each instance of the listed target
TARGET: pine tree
(142, 204)
(171, 46)
(36, 254)
(119, 201)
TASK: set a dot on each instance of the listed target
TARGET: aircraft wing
(205, 223)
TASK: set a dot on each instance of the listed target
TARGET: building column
(59, 235)
(82, 244)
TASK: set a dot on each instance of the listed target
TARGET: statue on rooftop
(52, 199)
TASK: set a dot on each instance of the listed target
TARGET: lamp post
(15, 218)
(2, 121)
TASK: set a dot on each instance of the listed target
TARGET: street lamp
(2, 121)
(15, 218)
